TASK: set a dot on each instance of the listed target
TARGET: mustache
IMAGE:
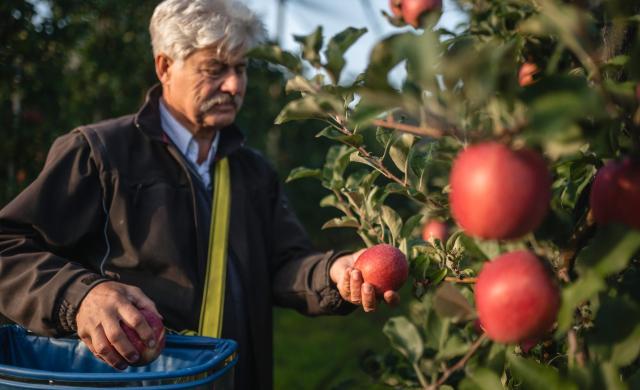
(206, 105)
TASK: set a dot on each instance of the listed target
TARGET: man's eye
(212, 72)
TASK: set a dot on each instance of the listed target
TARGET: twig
(460, 364)
(454, 279)
(367, 156)
(415, 130)
(582, 232)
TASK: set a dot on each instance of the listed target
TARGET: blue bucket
(28, 361)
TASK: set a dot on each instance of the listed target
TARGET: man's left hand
(352, 286)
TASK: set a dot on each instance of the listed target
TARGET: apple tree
(506, 167)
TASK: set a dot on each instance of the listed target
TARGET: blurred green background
(91, 60)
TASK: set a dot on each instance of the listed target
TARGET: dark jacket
(135, 216)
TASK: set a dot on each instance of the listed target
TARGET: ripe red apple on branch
(412, 10)
(499, 193)
(435, 229)
(526, 73)
(516, 298)
(615, 195)
(383, 266)
(147, 355)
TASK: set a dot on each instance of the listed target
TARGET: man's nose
(233, 83)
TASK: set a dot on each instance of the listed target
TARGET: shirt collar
(183, 138)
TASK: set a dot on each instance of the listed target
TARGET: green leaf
(309, 107)
(614, 340)
(405, 338)
(410, 225)
(533, 375)
(342, 222)
(311, 45)
(481, 379)
(299, 84)
(400, 149)
(336, 162)
(449, 302)
(385, 56)
(331, 133)
(575, 294)
(336, 48)
(392, 220)
(609, 251)
(275, 55)
(453, 346)
(300, 172)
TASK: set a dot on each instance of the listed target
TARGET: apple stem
(455, 279)
(460, 364)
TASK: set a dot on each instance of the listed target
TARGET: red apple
(615, 194)
(412, 10)
(147, 355)
(526, 73)
(383, 266)
(516, 298)
(435, 229)
(499, 193)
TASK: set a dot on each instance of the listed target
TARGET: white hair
(180, 27)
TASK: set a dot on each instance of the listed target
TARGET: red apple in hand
(435, 229)
(383, 266)
(499, 193)
(615, 195)
(147, 355)
(516, 298)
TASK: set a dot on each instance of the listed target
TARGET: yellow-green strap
(213, 296)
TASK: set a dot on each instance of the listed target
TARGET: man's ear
(163, 68)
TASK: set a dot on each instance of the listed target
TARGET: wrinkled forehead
(215, 54)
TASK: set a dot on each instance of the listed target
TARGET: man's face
(205, 91)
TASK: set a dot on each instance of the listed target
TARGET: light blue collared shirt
(186, 143)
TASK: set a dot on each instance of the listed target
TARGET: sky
(301, 17)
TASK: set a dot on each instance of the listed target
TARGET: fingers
(392, 298)
(135, 320)
(368, 298)
(141, 301)
(356, 282)
(119, 340)
(101, 347)
(344, 285)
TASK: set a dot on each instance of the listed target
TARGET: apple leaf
(533, 375)
(481, 379)
(609, 251)
(385, 56)
(331, 133)
(308, 107)
(449, 302)
(410, 225)
(400, 149)
(342, 222)
(336, 48)
(311, 45)
(275, 55)
(611, 339)
(299, 84)
(393, 221)
(301, 172)
(405, 338)
(575, 294)
(336, 162)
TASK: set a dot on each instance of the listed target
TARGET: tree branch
(460, 364)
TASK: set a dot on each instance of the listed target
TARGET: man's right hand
(100, 315)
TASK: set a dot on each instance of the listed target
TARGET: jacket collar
(148, 121)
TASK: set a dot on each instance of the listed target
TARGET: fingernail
(368, 289)
(122, 366)
(134, 358)
(151, 343)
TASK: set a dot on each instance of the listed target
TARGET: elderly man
(120, 217)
